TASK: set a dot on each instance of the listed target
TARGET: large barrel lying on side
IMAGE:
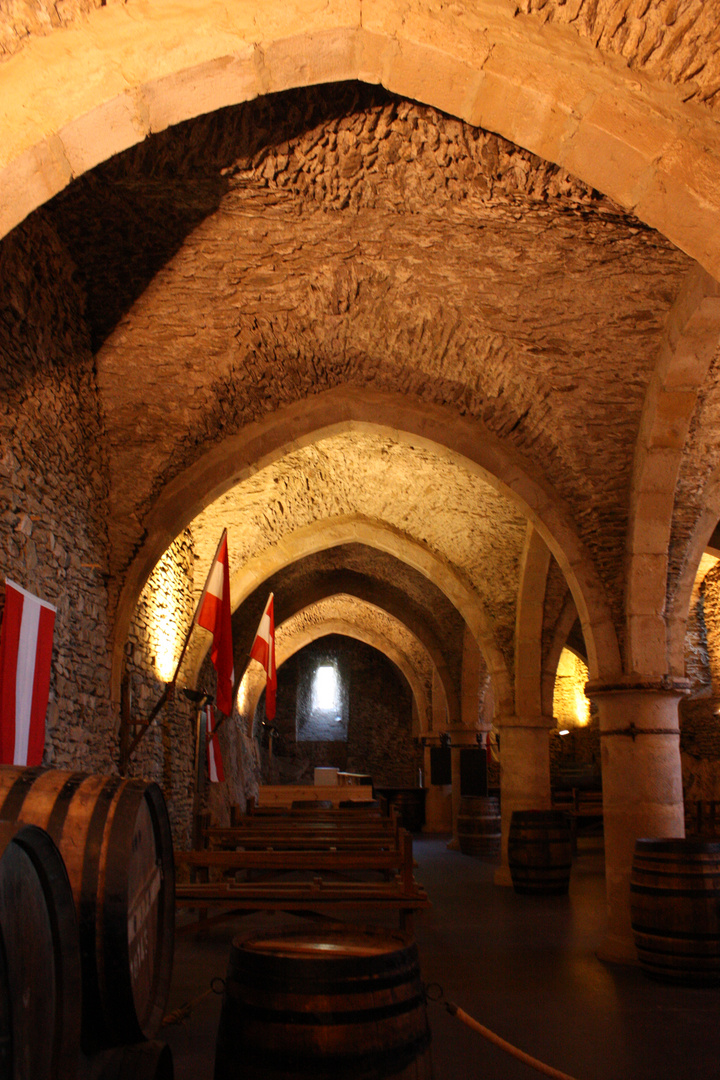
(40, 954)
(540, 852)
(141, 1061)
(675, 909)
(478, 825)
(332, 1005)
(114, 837)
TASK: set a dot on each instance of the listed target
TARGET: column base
(502, 876)
(614, 949)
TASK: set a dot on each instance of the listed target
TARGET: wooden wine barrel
(41, 954)
(675, 909)
(114, 837)
(478, 826)
(540, 852)
(140, 1061)
(328, 1004)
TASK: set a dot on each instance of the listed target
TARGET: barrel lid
(678, 845)
(323, 944)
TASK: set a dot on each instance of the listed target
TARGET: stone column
(524, 774)
(642, 787)
(459, 737)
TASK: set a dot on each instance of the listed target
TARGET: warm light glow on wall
(570, 706)
(242, 695)
(164, 596)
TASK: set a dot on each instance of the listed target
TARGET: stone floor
(523, 967)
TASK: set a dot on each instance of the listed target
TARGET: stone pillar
(438, 800)
(459, 737)
(524, 774)
(642, 787)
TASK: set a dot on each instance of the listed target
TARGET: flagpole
(170, 687)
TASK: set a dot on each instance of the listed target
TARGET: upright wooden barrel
(339, 1004)
(540, 852)
(114, 837)
(675, 909)
(478, 826)
(40, 1016)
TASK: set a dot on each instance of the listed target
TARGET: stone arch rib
(126, 77)
(442, 430)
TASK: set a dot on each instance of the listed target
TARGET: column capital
(635, 684)
(462, 736)
(511, 720)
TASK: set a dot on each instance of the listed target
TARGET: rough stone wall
(380, 718)
(700, 460)
(53, 493)
(699, 720)
(677, 41)
(161, 620)
(21, 19)
(570, 706)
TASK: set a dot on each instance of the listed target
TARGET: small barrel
(333, 1004)
(114, 837)
(478, 826)
(140, 1061)
(540, 852)
(41, 953)
(675, 909)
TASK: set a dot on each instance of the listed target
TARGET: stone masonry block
(330, 55)
(653, 513)
(615, 145)
(526, 105)
(108, 129)
(31, 179)
(682, 200)
(647, 585)
(202, 89)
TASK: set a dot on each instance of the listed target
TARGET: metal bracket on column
(632, 731)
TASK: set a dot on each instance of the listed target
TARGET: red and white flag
(263, 649)
(25, 657)
(213, 613)
(216, 773)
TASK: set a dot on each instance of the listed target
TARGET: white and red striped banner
(25, 658)
(263, 650)
(216, 773)
(214, 614)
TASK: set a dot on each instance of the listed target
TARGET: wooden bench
(341, 874)
(310, 830)
(584, 809)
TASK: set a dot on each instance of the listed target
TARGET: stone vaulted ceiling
(245, 261)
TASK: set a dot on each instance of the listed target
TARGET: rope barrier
(179, 1016)
(473, 1024)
